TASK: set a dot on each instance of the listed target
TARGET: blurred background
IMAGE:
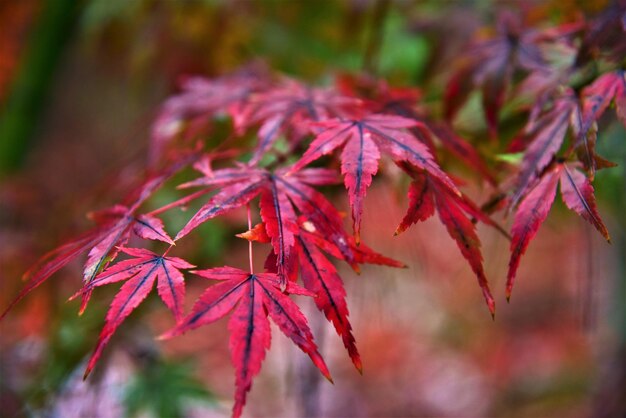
(80, 83)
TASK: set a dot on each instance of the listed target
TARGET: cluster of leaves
(281, 127)
(572, 74)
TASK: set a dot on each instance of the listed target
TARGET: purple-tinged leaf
(577, 194)
(530, 214)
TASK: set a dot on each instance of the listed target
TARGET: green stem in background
(20, 115)
(375, 40)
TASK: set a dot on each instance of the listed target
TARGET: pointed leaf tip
(75, 295)
(166, 335)
(491, 304)
(358, 365)
(81, 310)
(578, 195)
(256, 234)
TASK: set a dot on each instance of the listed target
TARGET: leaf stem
(250, 242)
(168, 250)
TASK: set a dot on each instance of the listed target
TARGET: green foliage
(70, 340)
(164, 389)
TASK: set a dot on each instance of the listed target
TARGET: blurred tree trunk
(28, 90)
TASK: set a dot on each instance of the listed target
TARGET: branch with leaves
(289, 139)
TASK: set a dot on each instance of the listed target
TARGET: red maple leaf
(289, 108)
(140, 272)
(362, 141)
(200, 100)
(239, 187)
(490, 64)
(577, 194)
(594, 100)
(545, 135)
(253, 297)
(427, 194)
(545, 139)
(320, 276)
(403, 102)
(285, 194)
(113, 228)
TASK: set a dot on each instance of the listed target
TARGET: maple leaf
(240, 186)
(252, 297)
(362, 141)
(290, 106)
(140, 272)
(491, 67)
(200, 100)
(364, 122)
(121, 219)
(279, 218)
(394, 101)
(490, 64)
(113, 227)
(530, 214)
(595, 99)
(427, 194)
(402, 102)
(577, 194)
(545, 140)
(421, 202)
(317, 272)
(319, 214)
(544, 136)
(345, 248)
(285, 194)
(320, 276)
